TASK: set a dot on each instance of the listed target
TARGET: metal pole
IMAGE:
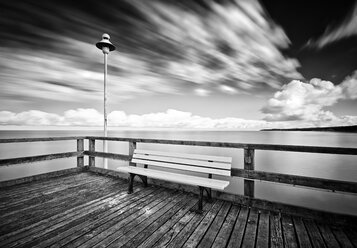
(105, 144)
(106, 46)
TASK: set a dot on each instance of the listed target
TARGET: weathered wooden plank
(32, 159)
(201, 229)
(127, 229)
(49, 230)
(227, 228)
(333, 218)
(36, 199)
(263, 230)
(90, 232)
(44, 224)
(328, 236)
(321, 183)
(314, 233)
(341, 237)
(26, 185)
(107, 155)
(103, 237)
(290, 239)
(239, 227)
(190, 220)
(249, 166)
(132, 229)
(20, 140)
(149, 226)
(291, 148)
(82, 229)
(60, 192)
(214, 228)
(65, 232)
(251, 229)
(168, 226)
(193, 225)
(276, 233)
(301, 233)
(39, 185)
(352, 235)
(80, 148)
(53, 207)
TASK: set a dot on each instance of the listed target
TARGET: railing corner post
(91, 144)
(249, 165)
(80, 150)
(132, 147)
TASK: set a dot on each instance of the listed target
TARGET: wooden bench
(211, 165)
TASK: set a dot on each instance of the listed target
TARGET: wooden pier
(88, 206)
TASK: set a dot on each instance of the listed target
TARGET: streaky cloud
(346, 29)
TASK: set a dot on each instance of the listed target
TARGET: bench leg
(209, 194)
(200, 201)
(145, 180)
(131, 183)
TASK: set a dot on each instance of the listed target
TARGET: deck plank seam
(48, 194)
(97, 218)
(102, 222)
(156, 201)
(231, 232)
(164, 218)
(165, 206)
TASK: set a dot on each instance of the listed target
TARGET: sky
(193, 64)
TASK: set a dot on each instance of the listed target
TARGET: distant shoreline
(346, 129)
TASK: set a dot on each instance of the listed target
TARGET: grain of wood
(341, 237)
(276, 233)
(149, 226)
(301, 233)
(214, 228)
(74, 228)
(314, 233)
(239, 228)
(227, 228)
(290, 239)
(263, 230)
(134, 222)
(328, 236)
(169, 225)
(182, 227)
(251, 229)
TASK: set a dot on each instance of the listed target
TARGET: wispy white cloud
(346, 29)
(299, 101)
(90, 117)
(171, 49)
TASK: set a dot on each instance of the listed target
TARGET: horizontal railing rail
(248, 173)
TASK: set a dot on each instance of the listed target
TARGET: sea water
(330, 166)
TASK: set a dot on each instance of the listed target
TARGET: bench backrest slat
(186, 162)
(184, 167)
(186, 155)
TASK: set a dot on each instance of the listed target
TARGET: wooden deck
(89, 210)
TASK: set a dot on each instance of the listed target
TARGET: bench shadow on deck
(89, 210)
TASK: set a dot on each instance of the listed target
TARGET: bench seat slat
(183, 167)
(177, 178)
(218, 165)
(186, 156)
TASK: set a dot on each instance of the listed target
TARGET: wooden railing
(248, 172)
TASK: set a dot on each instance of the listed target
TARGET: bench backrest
(183, 161)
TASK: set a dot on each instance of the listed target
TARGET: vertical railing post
(91, 159)
(132, 147)
(249, 165)
(80, 148)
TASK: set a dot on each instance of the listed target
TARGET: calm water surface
(339, 167)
